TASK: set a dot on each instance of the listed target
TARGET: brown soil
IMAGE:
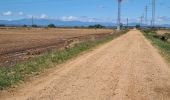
(21, 44)
(127, 68)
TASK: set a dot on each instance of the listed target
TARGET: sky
(83, 10)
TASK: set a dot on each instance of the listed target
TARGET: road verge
(163, 46)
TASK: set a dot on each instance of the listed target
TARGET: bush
(34, 25)
(96, 26)
(137, 26)
(51, 26)
(24, 26)
(2, 25)
(163, 37)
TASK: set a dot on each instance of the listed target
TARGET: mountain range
(45, 22)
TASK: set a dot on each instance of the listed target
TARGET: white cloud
(68, 18)
(8, 13)
(73, 18)
(21, 13)
(43, 16)
(29, 16)
(162, 20)
(87, 19)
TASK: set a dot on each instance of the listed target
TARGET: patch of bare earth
(127, 68)
(22, 44)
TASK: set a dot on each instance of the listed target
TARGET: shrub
(34, 25)
(96, 26)
(51, 26)
(137, 26)
(2, 25)
(24, 26)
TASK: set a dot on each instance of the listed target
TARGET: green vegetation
(138, 26)
(13, 75)
(34, 25)
(164, 37)
(160, 43)
(121, 26)
(96, 26)
(2, 25)
(51, 26)
(24, 26)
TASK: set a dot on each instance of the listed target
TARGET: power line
(32, 21)
(141, 19)
(127, 22)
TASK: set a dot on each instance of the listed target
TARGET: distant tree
(82, 27)
(96, 26)
(138, 26)
(75, 27)
(2, 25)
(51, 26)
(121, 25)
(24, 26)
(34, 25)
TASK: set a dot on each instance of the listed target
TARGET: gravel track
(127, 68)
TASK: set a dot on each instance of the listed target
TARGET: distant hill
(45, 22)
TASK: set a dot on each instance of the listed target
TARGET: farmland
(161, 32)
(127, 67)
(20, 44)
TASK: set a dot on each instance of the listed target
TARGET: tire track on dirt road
(127, 68)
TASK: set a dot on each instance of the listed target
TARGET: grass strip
(10, 76)
(163, 46)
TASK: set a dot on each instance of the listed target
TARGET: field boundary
(13, 75)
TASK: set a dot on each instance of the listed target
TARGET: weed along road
(127, 68)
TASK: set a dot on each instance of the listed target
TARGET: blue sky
(82, 10)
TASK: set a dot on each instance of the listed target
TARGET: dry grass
(162, 32)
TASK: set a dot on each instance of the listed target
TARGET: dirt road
(127, 68)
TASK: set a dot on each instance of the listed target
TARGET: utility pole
(32, 21)
(119, 14)
(127, 22)
(146, 15)
(141, 20)
(153, 13)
